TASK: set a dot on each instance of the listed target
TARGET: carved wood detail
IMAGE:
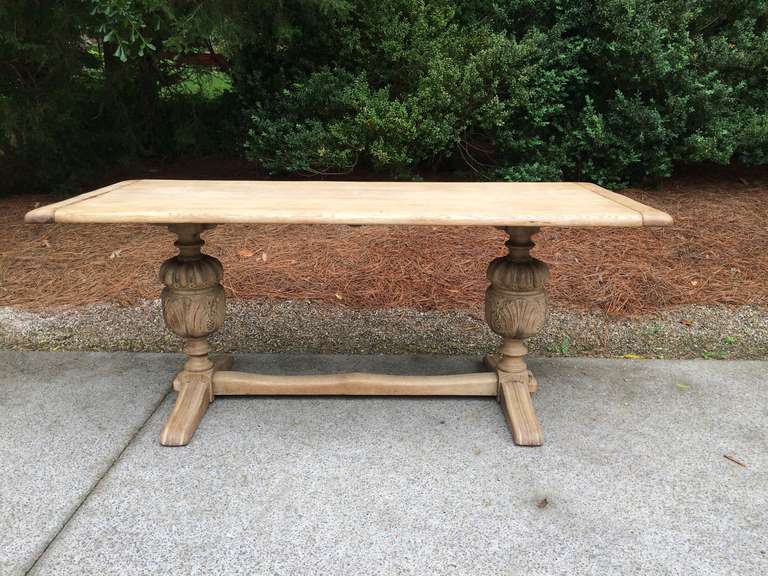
(193, 308)
(194, 304)
(515, 308)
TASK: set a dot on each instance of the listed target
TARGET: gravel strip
(718, 332)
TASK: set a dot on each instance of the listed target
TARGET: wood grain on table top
(324, 202)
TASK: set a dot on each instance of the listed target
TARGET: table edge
(47, 214)
(648, 216)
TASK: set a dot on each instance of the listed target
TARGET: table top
(323, 202)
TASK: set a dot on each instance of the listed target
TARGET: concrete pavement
(633, 477)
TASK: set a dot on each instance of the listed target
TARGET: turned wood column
(515, 308)
(193, 308)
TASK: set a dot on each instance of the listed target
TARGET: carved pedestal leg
(193, 308)
(515, 308)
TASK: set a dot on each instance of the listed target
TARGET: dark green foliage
(71, 109)
(607, 90)
(611, 91)
(41, 63)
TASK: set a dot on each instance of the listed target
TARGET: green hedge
(612, 91)
(605, 90)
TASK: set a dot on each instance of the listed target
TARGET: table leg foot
(515, 399)
(191, 403)
(491, 362)
(220, 362)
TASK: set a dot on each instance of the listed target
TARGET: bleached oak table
(193, 298)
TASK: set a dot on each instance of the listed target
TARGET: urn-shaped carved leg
(193, 307)
(515, 308)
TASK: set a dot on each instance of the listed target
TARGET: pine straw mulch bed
(716, 253)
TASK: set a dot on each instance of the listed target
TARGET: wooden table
(193, 298)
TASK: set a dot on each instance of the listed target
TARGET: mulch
(716, 253)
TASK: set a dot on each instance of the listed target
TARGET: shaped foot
(191, 403)
(515, 399)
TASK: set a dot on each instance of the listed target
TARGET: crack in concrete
(96, 484)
